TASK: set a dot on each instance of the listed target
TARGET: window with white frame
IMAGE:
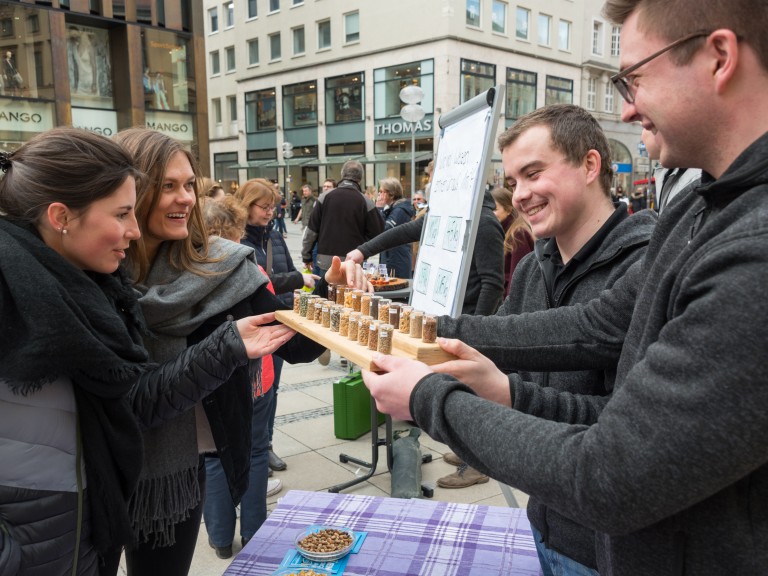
(216, 105)
(229, 51)
(473, 13)
(274, 5)
(215, 63)
(564, 35)
(298, 41)
(521, 93)
(252, 9)
(615, 38)
(323, 34)
(232, 102)
(229, 14)
(545, 23)
(591, 93)
(253, 52)
(609, 101)
(213, 19)
(522, 21)
(499, 17)
(352, 27)
(275, 50)
(597, 38)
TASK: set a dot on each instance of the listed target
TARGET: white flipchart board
(455, 199)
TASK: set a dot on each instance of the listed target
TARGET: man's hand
(356, 256)
(307, 265)
(309, 280)
(474, 370)
(393, 389)
(347, 273)
(259, 339)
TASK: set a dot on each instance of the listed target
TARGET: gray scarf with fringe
(175, 304)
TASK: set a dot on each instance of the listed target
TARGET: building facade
(103, 65)
(320, 79)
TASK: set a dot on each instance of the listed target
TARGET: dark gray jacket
(674, 473)
(574, 397)
(485, 286)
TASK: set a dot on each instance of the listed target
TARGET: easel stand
(377, 441)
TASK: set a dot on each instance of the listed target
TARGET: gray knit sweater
(674, 473)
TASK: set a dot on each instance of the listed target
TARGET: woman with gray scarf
(188, 285)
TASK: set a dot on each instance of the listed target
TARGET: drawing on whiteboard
(433, 227)
(452, 238)
(442, 286)
(422, 277)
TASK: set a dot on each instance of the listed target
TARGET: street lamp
(412, 112)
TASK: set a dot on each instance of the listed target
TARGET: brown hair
(68, 165)
(504, 197)
(152, 152)
(673, 19)
(572, 131)
(225, 218)
(257, 191)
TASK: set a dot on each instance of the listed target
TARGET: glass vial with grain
(384, 305)
(332, 292)
(344, 322)
(340, 291)
(365, 304)
(386, 334)
(373, 335)
(354, 325)
(335, 317)
(429, 328)
(417, 320)
(303, 302)
(319, 311)
(363, 327)
(297, 300)
(405, 319)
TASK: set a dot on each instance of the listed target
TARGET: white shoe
(274, 486)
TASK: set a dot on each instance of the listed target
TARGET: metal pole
(413, 159)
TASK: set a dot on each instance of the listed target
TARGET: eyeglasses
(623, 80)
(265, 208)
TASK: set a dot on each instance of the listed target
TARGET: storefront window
(345, 99)
(90, 68)
(300, 105)
(260, 111)
(221, 167)
(167, 67)
(25, 48)
(389, 81)
(476, 78)
(521, 92)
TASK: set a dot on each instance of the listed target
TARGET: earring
(63, 230)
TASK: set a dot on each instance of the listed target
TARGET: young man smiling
(673, 473)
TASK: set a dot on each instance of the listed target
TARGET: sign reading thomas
(455, 199)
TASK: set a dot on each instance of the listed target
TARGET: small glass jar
(429, 328)
(319, 311)
(365, 303)
(354, 325)
(335, 317)
(344, 322)
(303, 303)
(394, 314)
(373, 335)
(405, 319)
(297, 300)
(348, 299)
(340, 290)
(326, 317)
(311, 309)
(375, 305)
(357, 299)
(386, 334)
(417, 321)
(332, 292)
(384, 305)
(363, 327)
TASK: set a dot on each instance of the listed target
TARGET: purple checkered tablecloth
(404, 536)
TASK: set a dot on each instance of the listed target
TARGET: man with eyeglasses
(672, 473)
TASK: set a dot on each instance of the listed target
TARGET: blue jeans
(277, 364)
(556, 564)
(219, 510)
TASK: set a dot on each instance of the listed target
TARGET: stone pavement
(305, 439)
